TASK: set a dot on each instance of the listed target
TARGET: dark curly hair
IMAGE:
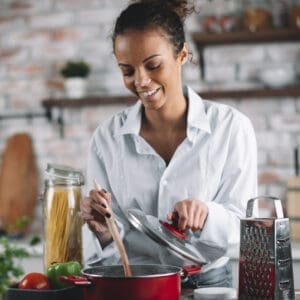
(166, 14)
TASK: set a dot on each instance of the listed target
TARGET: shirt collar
(132, 124)
(196, 118)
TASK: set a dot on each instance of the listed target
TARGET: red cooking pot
(148, 282)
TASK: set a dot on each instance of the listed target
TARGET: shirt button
(165, 182)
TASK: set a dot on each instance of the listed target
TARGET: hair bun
(182, 7)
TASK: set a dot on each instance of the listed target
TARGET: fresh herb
(10, 263)
(11, 256)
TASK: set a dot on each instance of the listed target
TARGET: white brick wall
(36, 38)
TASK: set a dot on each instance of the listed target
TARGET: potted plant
(75, 73)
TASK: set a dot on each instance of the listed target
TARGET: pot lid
(166, 235)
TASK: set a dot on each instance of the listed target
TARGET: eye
(153, 66)
(127, 72)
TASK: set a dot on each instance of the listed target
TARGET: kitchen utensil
(19, 183)
(215, 293)
(116, 237)
(166, 235)
(148, 282)
(265, 266)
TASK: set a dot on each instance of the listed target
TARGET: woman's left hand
(190, 214)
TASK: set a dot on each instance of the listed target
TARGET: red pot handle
(76, 280)
(180, 234)
(190, 270)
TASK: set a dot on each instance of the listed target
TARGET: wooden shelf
(288, 91)
(49, 104)
(203, 40)
(246, 37)
(87, 101)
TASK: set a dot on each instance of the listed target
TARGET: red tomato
(35, 281)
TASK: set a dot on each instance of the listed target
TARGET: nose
(142, 81)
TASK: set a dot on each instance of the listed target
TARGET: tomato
(35, 281)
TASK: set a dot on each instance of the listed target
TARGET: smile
(149, 93)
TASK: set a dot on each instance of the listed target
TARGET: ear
(184, 54)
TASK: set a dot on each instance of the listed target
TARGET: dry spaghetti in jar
(62, 197)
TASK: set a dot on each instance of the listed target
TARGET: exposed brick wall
(37, 37)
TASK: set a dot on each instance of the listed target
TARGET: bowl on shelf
(277, 76)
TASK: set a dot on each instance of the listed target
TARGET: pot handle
(253, 206)
(173, 227)
(76, 280)
(180, 234)
(190, 270)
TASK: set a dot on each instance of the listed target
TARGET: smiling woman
(173, 155)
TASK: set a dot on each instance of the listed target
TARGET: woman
(171, 153)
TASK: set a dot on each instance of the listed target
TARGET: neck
(172, 116)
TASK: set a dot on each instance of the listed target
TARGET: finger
(101, 210)
(102, 190)
(203, 217)
(191, 207)
(183, 217)
(169, 216)
(99, 197)
(197, 219)
(86, 217)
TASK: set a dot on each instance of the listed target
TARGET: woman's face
(149, 66)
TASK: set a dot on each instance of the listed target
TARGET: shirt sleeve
(93, 253)
(221, 233)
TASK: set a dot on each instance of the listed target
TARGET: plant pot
(75, 87)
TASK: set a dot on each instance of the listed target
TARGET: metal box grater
(265, 264)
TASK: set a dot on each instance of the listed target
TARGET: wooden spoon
(116, 237)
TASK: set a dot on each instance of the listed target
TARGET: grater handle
(252, 206)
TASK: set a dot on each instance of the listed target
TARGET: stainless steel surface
(189, 295)
(265, 266)
(152, 228)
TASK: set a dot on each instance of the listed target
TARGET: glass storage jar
(257, 15)
(62, 196)
(294, 14)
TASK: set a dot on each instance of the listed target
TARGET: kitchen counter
(35, 262)
(188, 294)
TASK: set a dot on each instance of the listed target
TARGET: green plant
(11, 257)
(75, 69)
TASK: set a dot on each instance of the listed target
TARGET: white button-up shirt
(216, 163)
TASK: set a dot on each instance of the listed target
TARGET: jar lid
(163, 234)
(62, 172)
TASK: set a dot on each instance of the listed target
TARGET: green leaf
(35, 240)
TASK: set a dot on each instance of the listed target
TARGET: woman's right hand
(94, 209)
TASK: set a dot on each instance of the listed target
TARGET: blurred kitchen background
(243, 53)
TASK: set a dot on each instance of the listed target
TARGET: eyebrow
(146, 59)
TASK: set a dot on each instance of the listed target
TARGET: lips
(147, 94)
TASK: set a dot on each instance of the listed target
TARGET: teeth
(150, 93)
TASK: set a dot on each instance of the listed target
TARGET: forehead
(139, 44)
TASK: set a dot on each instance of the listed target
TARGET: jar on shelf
(220, 15)
(280, 10)
(294, 14)
(257, 15)
(62, 197)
